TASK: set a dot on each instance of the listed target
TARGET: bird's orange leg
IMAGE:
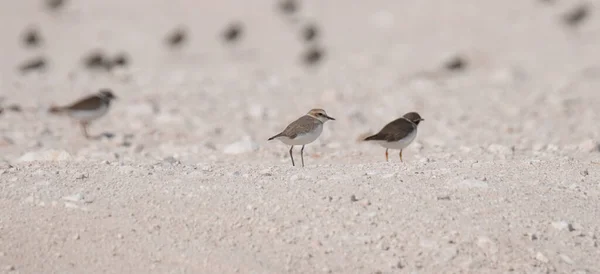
(401, 156)
(386, 154)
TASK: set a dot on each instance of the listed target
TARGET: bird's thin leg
(386, 154)
(84, 130)
(292, 156)
(401, 156)
(302, 155)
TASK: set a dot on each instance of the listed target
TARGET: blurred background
(200, 75)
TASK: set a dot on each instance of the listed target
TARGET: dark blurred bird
(97, 60)
(54, 4)
(310, 32)
(313, 55)
(233, 32)
(288, 6)
(31, 37)
(120, 60)
(577, 15)
(176, 38)
(457, 63)
(14, 108)
(36, 63)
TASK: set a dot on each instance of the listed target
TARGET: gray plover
(303, 131)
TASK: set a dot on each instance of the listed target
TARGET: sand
(504, 175)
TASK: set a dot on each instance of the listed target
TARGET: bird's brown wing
(91, 102)
(303, 125)
(394, 131)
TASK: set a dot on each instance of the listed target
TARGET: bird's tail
(371, 138)
(274, 137)
(56, 110)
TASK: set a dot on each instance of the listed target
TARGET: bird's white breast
(303, 139)
(401, 144)
(89, 115)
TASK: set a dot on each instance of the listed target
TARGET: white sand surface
(504, 176)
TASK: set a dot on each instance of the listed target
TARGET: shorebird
(87, 109)
(397, 134)
(303, 131)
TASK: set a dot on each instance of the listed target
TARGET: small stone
(365, 202)
(487, 245)
(76, 237)
(566, 259)
(534, 237)
(499, 149)
(561, 225)
(245, 145)
(71, 205)
(540, 257)
(326, 270)
(443, 198)
(74, 198)
(265, 172)
(584, 172)
(353, 198)
(10, 268)
(120, 236)
(172, 160)
(81, 177)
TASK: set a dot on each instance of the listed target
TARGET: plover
(398, 134)
(303, 131)
(87, 109)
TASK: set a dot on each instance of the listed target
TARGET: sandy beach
(503, 177)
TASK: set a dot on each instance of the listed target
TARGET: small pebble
(566, 259)
(540, 257)
(353, 198)
(561, 225)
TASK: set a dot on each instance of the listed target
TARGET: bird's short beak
(422, 119)
(329, 117)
